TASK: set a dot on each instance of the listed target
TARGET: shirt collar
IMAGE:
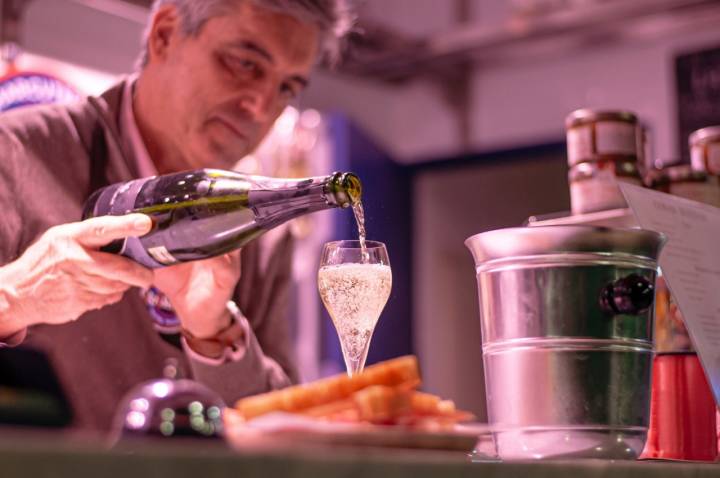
(130, 133)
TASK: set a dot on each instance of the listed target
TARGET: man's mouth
(232, 127)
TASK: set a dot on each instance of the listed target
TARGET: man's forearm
(11, 321)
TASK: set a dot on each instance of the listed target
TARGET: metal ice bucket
(566, 320)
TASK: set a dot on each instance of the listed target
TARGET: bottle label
(579, 144)
(162, 255)
(591, 141)
(123, 200)
(614, 137)
(134, 249)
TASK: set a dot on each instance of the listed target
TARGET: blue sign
(24, 89)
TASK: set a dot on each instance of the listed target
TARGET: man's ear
(164, 29)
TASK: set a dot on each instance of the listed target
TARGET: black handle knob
(632, 294)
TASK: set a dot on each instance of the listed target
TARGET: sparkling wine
(359, 213)
(354, 295)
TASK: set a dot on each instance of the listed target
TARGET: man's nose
(259, 103)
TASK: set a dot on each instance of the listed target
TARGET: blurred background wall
(466, 99)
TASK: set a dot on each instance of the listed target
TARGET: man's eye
(241, 65)
(247, 65)
(288, 91)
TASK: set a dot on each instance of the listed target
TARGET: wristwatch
(230, 342)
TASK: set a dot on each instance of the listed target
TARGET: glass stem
(355, 366)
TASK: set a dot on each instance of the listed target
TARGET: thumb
(233, 257)
(99, 231)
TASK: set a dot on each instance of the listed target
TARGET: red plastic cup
(682, 411)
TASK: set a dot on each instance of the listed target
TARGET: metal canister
(594, 135)
(603, 147)
(566, 321)
(594, 185)
(705, 149)
(687, 182)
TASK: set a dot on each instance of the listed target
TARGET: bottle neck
(279, 200)
(344, 189)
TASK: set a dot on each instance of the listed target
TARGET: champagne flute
(354, 284)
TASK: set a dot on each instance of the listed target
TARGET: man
(214, 76)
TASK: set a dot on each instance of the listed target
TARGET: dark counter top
(38, 455)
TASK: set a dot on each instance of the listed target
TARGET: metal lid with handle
(544, 240)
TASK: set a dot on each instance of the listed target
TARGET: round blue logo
(24, 89)
(161, 311)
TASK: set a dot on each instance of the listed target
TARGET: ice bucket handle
(632, 294)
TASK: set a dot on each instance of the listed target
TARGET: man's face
(226, 86)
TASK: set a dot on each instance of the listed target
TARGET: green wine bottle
(208, 212)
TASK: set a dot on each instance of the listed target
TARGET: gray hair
(332, 17)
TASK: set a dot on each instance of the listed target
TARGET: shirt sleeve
(245, 371)
(10, 219)
(264, 361)
(10, 176)
(13, 340)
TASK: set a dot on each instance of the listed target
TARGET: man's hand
(199, 290)
(63, 275)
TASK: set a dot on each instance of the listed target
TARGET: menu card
(690, 262)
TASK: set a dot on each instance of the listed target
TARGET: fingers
(234, 257)
(73, 245)
(117, 268)
(99, 231)
(230, 260)
(61, 276)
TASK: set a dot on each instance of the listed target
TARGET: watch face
(161, 312)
